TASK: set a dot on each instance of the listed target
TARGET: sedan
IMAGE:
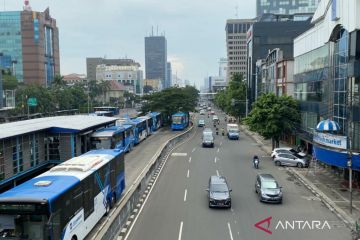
(290, 160)
(286, 150)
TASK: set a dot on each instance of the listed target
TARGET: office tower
(285, 7)
(31, 40)
(236, 30)
(156, 58)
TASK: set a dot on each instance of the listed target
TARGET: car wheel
(299, 165)
(209, 205)
(277, 163)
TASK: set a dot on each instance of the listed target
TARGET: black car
(268, 189)
(219, 192)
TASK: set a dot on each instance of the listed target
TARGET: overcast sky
(195, 30)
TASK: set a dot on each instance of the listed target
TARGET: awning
(335, 158)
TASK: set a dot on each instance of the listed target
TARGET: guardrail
(118, 218)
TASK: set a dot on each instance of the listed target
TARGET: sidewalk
(326, 185)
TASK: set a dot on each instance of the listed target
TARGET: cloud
(195, 30)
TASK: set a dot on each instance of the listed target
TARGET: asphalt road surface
(177, 207)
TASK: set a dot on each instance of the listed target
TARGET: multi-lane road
(177, 207)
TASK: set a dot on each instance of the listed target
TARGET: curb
(349, 222)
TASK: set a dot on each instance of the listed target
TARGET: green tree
(59, 81)
(9, 80)
(171, 100)
(232, 100)
(273, 117)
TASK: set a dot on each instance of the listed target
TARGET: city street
(177, 207)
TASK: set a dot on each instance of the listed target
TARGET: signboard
(32, 102)
(330, 140)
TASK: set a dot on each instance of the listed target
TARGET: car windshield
(220, 187)
(270, 184)
(233, 131)
(208, 137)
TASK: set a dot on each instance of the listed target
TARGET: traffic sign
(32, 102)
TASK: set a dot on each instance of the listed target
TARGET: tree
(273, 117)
(171, 100)
(9, 80)
(59, 81)
(232, 100)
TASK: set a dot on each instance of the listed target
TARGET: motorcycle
(256, 163)
(223, 132)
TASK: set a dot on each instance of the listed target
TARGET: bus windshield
(177, 119)
(101, 143)
(23, 221)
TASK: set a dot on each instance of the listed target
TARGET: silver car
(287, 159)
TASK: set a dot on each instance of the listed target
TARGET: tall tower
(27, 6)
(156, 59)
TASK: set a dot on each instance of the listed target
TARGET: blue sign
(333, 10)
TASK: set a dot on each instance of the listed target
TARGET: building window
(34, 150)
(52, 147)
(17, 156)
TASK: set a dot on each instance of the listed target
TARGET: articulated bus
(139, 126)
(113, 110)
(149, 123)
(157, 120)
(65, 202)
(119, 137)
(180, 121)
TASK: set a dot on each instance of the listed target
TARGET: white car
(202, 112)
(287, 150)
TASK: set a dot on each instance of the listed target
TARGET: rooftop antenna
(157, 30)
(237, 11)
(152, 31)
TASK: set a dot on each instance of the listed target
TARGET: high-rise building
(31, 40)
(125, 71)
(269, 32)
(285, 7)
(156, 58)
(236, 30)
(169, 75)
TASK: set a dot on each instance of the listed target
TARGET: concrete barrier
(118, 221)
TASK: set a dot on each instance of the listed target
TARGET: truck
(232, 131)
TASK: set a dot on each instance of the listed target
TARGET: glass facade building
(156, 59)
(11, 40)
(31, 40)
(285, 6)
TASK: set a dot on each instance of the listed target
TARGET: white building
(130, 76)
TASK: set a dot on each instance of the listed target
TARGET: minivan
(219, 192)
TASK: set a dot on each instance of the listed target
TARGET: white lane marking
(218, 149)
(188, 173)
(180, 230)
(220, 143)
(217, 173)
(193, 150)
(231, 236)
(215, 160)
(179, 154)
(185, 195)
(189, 159)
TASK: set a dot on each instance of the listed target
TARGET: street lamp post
(350, 132)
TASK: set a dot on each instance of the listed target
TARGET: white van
(232, 131)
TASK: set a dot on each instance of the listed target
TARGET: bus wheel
(74, 237)
(107, 207)
(113, 200)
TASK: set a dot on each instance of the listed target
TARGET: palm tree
(104, 86)
(59, 81)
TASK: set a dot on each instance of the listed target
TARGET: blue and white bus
(149, 123)
(113, 110)
(180, 121)
(157, 120)
(139, 126)
(119, 137)
(65, 202)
